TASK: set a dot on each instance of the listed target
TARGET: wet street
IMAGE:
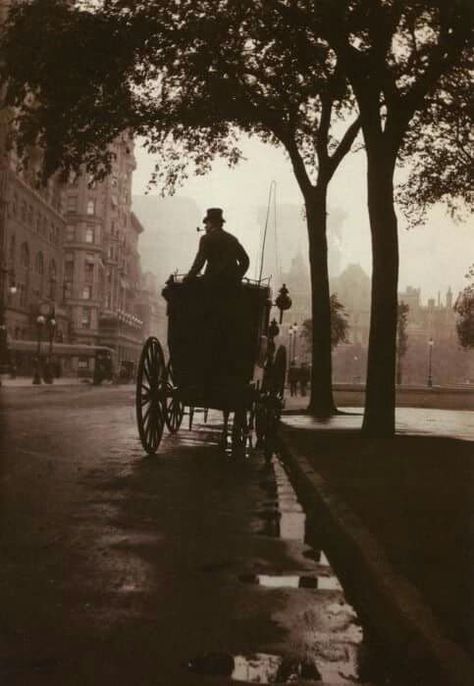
(187, 568)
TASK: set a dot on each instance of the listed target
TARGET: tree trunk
(399, 371)
(321, 400)
(379, 417)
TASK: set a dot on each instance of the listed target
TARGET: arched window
(12, 250)
(39, 264)
(53, 273)
(25, 255)
(53, 270)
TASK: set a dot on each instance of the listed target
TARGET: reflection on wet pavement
(322, 635)
(257, 668)
(328, 583)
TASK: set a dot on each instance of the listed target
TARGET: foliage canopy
(339, 324)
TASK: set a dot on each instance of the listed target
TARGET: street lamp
(430, 356)
(8, 279)
(48, 371)
(293, 330)
(356, 378)
(40, 322)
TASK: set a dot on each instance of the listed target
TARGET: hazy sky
(432, 257)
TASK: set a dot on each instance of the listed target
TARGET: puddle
(257, 668)
(323, 583)
(318, 556)
(320, 628)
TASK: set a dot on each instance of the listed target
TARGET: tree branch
(299, 168)
(323, 130)
(344, 146)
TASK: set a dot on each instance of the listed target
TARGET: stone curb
(390, 605)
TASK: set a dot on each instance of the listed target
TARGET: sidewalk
(25, 381)
(399, 518)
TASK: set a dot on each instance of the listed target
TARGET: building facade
(101, 261)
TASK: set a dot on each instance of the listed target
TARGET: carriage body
(217, 340)
(221, 356)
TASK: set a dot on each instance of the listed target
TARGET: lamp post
(5, 360)
(51, 323)
(430, 356)
(293, 330)
(356, 377)
(40, 322)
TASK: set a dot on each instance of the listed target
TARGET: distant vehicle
(105, 366)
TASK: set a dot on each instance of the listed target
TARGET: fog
(432, 257)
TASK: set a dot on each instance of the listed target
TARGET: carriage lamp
(283, 301)
(273, 329)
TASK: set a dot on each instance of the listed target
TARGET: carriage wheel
(150, 395)
(174, 407)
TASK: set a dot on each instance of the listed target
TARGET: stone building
(32, 230)
(432, 345)
(101, 261)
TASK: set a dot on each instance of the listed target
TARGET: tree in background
(464, 307)
(402, 338)
(188, 77)
(396, 56)
(339, 324)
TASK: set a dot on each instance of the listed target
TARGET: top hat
(214, 214)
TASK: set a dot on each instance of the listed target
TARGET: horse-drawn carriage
(222, 355)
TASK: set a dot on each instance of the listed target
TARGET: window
(39, 263)
(91, 206)
(25, 256)
(69, 270)
(71, 203)
(70, 233)
(83, 363)
(89, 272)
(89, 235)
(87, 292)
(53, 277)
(12, 249)
(86, 318)
(22, 290)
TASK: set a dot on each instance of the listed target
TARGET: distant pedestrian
(293, 378)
